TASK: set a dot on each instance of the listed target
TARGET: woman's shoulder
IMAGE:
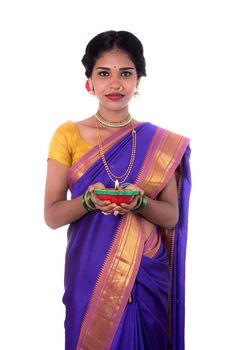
(65, 136)
(66, 127)
(165, 130)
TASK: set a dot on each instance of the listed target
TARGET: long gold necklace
(112, 124)
(122, 178)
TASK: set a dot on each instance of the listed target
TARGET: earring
(136, 92)
(89, 88)
(91, 91)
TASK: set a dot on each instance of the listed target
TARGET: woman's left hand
(124, 208)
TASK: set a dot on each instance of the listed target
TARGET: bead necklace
(111, 175)
(112, 124)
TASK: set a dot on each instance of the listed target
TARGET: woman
(124, 271)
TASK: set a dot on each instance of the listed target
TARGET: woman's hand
(106, 207)
(163, 212)
(124, 208)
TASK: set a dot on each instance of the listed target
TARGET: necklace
(111, 124)
(111, 175)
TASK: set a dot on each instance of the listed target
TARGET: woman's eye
(126, 74)
(104, 74)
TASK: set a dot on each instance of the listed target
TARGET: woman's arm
(163, 211)
(58, 211)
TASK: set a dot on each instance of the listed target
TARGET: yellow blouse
(67, 145)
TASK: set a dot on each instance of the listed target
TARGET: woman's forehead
(114, 59)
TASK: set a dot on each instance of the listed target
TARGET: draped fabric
(124, 275)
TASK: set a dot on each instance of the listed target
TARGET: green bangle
(90, 202)
(144, 202)
(85, 205)
(140, 207)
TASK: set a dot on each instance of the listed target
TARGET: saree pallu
(124, 276)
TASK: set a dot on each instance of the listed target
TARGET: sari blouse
(67, 145)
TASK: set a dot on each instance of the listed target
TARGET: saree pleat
(108, 258)
(146, 325)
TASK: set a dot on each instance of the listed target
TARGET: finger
(135, 188)
(121, 210)
(129, 206)
(96, 185)
(135, 201)
(107, 208)
(99, 202)
(125, 206)
(118, 212)
(106, 204)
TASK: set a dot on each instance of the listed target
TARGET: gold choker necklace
(117, 179)
(111, 124)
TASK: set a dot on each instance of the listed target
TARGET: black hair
(106, 41)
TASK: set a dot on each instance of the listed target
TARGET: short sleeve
(60, 147)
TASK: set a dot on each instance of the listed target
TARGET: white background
(189, 89)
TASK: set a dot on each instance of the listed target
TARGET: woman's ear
(89, 86)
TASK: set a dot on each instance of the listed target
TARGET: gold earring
(91, 90)
(136, 92)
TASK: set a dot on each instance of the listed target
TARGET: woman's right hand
(106, 207)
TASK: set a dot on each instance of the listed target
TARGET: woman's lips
(114, 97)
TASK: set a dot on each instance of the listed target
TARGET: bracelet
(141, 204)
(87, 202)
(84, 204)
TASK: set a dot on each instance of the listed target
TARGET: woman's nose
(116, 83)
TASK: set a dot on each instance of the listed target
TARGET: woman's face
(114, 79)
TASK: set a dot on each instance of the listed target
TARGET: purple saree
(110, 258)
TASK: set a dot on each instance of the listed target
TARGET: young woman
(124, 271)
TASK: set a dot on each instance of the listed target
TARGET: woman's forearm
(161, 213)
(64, 212)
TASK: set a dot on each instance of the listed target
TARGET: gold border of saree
(113, 287)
